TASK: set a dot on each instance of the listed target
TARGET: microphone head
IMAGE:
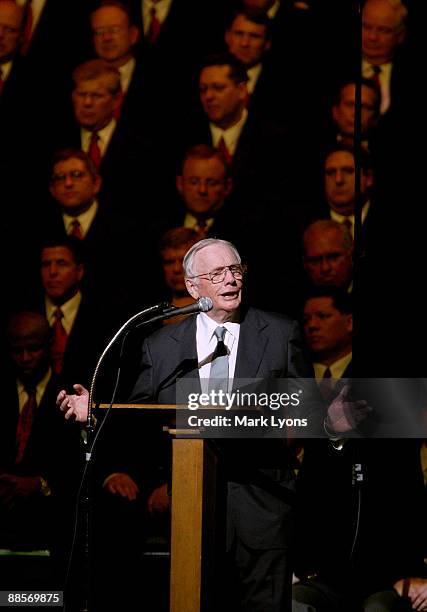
(205, 304)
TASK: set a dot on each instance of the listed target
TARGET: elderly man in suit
(258, 345)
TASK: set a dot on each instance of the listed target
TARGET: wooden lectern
(194, 487)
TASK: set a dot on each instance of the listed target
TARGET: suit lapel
(185, 337)
(252, 345)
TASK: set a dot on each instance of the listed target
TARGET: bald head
(383, 29)
(328, 250)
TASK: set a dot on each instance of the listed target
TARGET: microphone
(203, 304)
(162, 306)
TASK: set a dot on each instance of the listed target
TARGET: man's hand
(416, 591)
(14, 487)
(75, 406)
(122, 484)
(159, 500)
(344, 415)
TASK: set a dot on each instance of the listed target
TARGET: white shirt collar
(85, 219)
(340, 218)
(273, 10)
(231, 135)
(191, 222)
(126, 72)
(384, 79)
(104, 137)
(162, 9)
(5, 70)
(40, 389)
(253, 75)
(337, 368)
(69, 310)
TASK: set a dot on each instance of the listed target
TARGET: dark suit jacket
(52, 452)
(260, 482)
(53, 445)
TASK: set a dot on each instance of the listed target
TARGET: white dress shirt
(272, 11)
(337, 368)
(341, 218)
(191, 222)
(104, 137)
(37, 7)
(206, 345)
(5, 70)
(126, 72)
(253, 76)
(162, 10)
(69, 310)
(85, 219)
(231, 135)
(40, 389)
(384, 79)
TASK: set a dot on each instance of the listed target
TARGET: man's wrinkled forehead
(215, 256)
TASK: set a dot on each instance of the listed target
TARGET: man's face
(247, 40)
(29, 353)
(381, 31)
(222, 99)
(203, 186)
(343, 112)
(340, 182)
(226, 295)
(327, 330)
(60, 273)
(10, 30)
(73, 186)
(326, 260)
(94, 105)
(113, 36)
(172, 269)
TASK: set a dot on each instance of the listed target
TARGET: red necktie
(76, 229)
(25, 422)
(59, 343)
(155, 26)
(376, 71)
(28, 27)
(94, 150)
(223, 148)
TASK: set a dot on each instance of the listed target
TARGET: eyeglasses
(218, 275)
(76, 175)
(110, 30)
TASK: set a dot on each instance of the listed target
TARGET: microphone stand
(204, 304)
(89, 442)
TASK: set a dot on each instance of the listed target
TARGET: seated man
(39, 457)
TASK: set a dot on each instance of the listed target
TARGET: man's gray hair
(188, 262)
